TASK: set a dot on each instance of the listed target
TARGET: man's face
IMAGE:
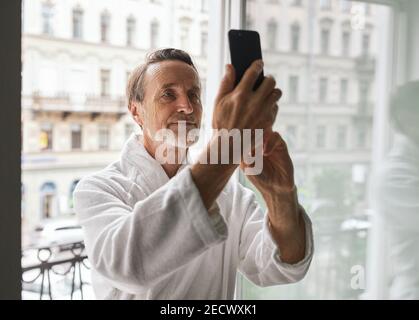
(172, 93)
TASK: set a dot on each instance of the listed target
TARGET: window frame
(10, 126)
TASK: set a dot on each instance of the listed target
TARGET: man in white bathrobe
(181, 230)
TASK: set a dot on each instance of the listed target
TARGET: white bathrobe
(396, 200)
(151, 237)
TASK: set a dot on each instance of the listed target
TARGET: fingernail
(260, 64)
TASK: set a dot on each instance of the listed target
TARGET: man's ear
(136, 110)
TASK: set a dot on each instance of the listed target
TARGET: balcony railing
(65, 260)
(74, 103)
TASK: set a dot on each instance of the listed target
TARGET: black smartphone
(244, 49)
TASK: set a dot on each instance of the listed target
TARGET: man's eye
(194, 97)
(168, 94)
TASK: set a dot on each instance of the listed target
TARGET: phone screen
(244, 49)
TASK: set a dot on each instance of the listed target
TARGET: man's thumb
(227, 83)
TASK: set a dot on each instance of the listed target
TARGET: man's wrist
(283, 208)
(209, 178)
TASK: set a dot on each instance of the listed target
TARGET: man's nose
(184, 105)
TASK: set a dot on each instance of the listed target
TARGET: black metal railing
(46, 260)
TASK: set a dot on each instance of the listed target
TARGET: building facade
(77, 56)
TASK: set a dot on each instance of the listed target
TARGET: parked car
(59, 231)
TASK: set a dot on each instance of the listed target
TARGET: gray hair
(135, 85)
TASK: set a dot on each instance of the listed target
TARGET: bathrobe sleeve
(259, 254)
(135, 247)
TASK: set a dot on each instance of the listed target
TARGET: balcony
(66, 104)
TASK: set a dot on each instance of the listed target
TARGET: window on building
(104, 137)
(154, 34)
(46, 136)
(204, 43)
(131, 26)
(321, 137)
(325, 4)
(49, 204)
(78, 23)
(76, 136)
(272, 29)
(323, 89)
(365, 44)
(325, 40)
(293, 89)
(361, 137)
(47, 17)
(346, 43)
(363, 92)
(105, 24)
(105, 82)
(344, 91)
(295, 37)
(185, 34)
(341, 137)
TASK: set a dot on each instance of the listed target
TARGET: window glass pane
(103, 137)
(78, 23)
(328, 132)
(76, 136)
(105, 21)
(344, 91)
(325, 34)
(295, 37)
(131, 29)
(47, 18)
(104, 82)
(45, 137)
(323, 83)
(75, 118)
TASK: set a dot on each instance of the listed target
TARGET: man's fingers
(269, 110)
(272, 102)
(227, 83)
(265, 88)
(250, 76)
